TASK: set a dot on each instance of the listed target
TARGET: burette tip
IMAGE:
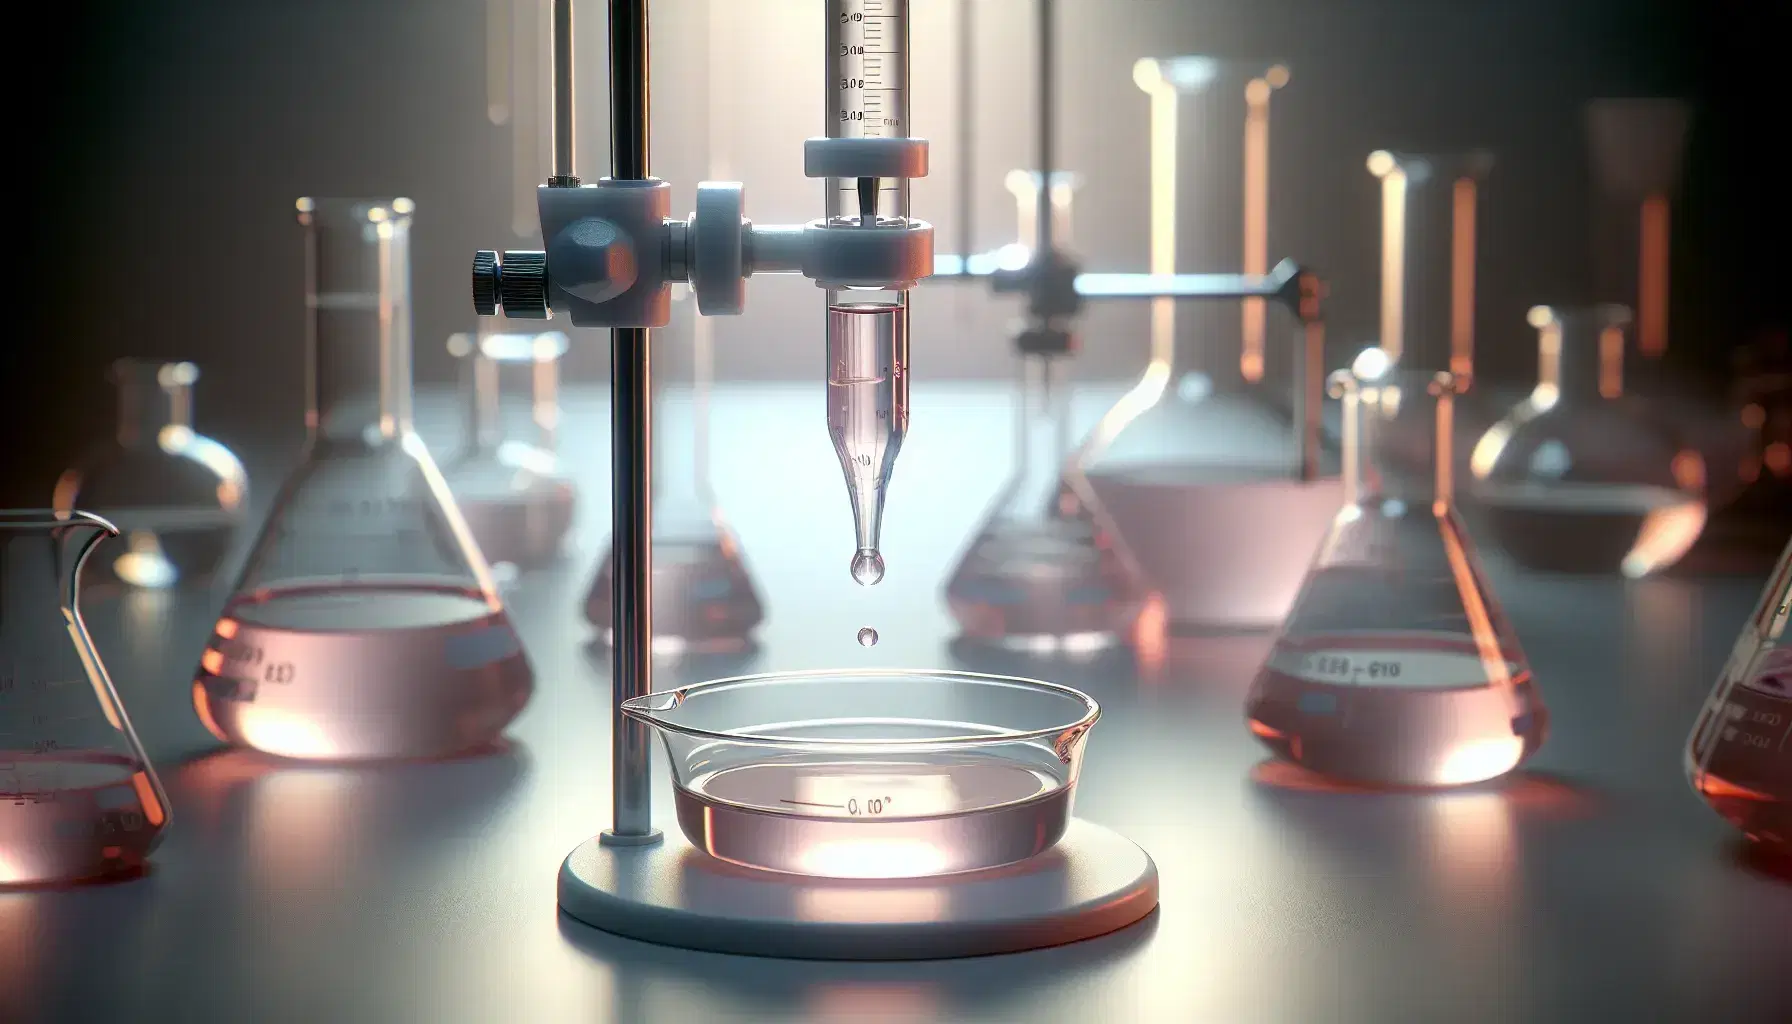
(867, 567)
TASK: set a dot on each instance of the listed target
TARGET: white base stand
(1093, 882)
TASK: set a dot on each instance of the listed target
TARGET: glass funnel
(872, 774)
(1739, 757)
(516, 501)
(78, 798)
(178, 495)
(704, 600)
(1397, 666)
(1429, 212)
(365, 623)
(1577, 478)
(1199, 462)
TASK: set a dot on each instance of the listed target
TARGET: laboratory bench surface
(1591, 886)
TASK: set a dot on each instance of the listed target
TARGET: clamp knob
(485, 283)
(517, 282)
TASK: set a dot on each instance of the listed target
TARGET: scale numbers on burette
(868, 63)
(867, 72)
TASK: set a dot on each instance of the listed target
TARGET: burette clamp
(894, 254)
(865, 158)
(612, 252)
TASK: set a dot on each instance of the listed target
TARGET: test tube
(867, 329)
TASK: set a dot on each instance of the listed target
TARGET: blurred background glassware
(1637, 150)
(78, 797)
(1739, 757)
(365, 624)
(1761, 394)
(1198, 463)
(178, 497)
(508, 482)
(1578, 477)
(704, 599)
(1045, 572)
(1430, 216)
(1397, 666)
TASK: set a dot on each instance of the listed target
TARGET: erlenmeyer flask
(1397, 666)
(178, 495)
(1739, 757)
(1199, 462)
(704, 600)
(510, 489)
(1430, 206)
(1578, 478)
(365, 623)
(1045, 572)
(78, 798)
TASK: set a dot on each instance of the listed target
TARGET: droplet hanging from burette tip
(868, 567)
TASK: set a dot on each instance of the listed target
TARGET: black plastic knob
(523, 284)
(485, 282)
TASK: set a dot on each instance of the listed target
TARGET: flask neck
(1399, 440)
(481, 391)
(1041, 438)
(1581, 361)
(152, 395)
(491, 422)
(358, 318)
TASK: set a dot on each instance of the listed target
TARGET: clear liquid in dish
(890, 819)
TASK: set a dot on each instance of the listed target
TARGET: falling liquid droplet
(867, 637)
(867, 567)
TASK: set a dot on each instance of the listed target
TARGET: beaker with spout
(178, 496)
(365, 623)
(78, 797)
(1397, 666)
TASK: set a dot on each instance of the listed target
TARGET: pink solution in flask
(1739, 757)
(1396, 666)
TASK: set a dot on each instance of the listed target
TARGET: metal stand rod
(967, 108)
(563, 176)
(631, 454)
(1042, 234)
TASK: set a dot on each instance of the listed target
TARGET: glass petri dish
(877, 773)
